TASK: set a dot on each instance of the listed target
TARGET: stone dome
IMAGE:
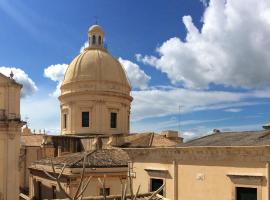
(96, 65)
(95, 68)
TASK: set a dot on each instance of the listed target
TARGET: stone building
(111, 163)
(223, 165)
(95, 105)
(10, 128)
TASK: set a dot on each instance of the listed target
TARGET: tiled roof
(247, 138)
(143, 140)
(102, 158)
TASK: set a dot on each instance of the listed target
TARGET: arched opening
(94, 40)
(99, 40)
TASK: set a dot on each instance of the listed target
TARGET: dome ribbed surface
(95, 65)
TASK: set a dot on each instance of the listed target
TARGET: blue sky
(211, 58)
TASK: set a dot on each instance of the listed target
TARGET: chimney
(59, 151)
(172, 135)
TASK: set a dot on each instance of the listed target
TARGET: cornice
(243, 153)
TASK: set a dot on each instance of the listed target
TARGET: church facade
(10, 128)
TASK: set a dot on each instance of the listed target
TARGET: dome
(95, 28)
(95, 93)
(97, 66)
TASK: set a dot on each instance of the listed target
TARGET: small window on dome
(113, 120)
(65, 120)
(94, 39)
(99, 40)
(85, 119)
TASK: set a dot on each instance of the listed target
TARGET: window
(113, 120)
(54, 192)
(65, 120)
(243, 193)
(85, 119)
(106, 190)
(156, 184)
(94, 39)
(99, 40)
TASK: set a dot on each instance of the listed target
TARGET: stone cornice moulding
(243, 153)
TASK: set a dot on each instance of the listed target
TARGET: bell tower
(10, 128)
(96, 37)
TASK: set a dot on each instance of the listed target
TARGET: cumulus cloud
(204, 2)
(85, 45)
(136, 76)
(232, 48)
(29, 86)
(56, 73)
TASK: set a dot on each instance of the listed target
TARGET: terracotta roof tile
(102, 158)
(143, 140)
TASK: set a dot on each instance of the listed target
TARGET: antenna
(179, 116)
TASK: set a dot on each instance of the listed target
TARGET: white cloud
(162, 102)
(29, 86)
(136, 76)
(158, 102)
(233, 110)
(42, 112)
(85, 45)
(232, 48)
(56, 73)
(204, 2)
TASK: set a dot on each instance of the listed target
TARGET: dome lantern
(96, 37)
